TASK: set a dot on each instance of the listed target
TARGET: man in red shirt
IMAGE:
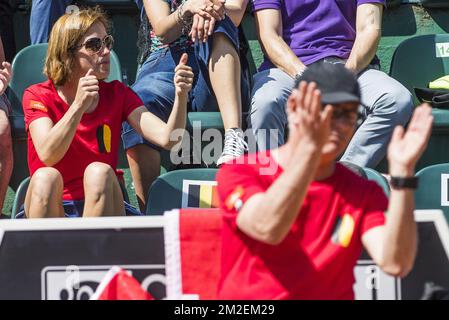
(295, 220)
(74, 122)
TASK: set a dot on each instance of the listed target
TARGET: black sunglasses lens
(93, 44)
(109, 42)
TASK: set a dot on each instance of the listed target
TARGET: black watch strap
(404, 182)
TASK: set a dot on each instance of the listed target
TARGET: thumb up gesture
(183, 76)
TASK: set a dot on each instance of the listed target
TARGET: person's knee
(45, 182)
(398, 102)
(265, 107)
(98, 176)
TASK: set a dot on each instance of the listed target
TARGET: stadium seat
(433, 190)
(189, 188)
(393, 3)
(19, 199)
(435, 3)
(373, 175)
(21, 192)
(416, 62)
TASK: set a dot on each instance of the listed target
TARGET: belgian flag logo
(200, 194)
(343, 231)
(104, 138)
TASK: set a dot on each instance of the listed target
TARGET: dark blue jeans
(44, 14)
(155, 86)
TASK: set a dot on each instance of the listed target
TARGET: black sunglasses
(94, 45)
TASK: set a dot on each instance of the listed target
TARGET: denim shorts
(155, 86)
(74, 209)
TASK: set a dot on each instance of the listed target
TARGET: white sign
(80, 282)
(442, 49)
(444, 190)
(373, 284)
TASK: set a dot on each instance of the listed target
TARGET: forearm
(168, 28)
(177, 120)
(400, 237)
(235, 12)
(58, 140)
(271, 219)
(364, 50)
(281, 55)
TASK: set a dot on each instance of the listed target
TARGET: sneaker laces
(234, 144)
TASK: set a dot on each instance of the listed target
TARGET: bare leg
(224, 73)
(44, 195)
(102, 193)
(6, 158)
(144, 164)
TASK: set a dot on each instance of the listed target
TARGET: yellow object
(441, 83)
(107, 138)
(346, 231)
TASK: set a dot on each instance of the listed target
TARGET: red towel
(193, 259)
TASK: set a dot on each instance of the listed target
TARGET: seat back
(421, 59)
(433, 189)
(189, 188)
(435, 3)
(416, 62)
(373, 175)
(19, 198)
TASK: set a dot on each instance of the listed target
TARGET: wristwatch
(404, 182)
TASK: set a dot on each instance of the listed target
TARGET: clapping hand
(407, 146)
(308, 122)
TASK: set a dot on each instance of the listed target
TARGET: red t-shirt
(97, 137)
(317, 258)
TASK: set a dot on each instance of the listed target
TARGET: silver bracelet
(186, 23)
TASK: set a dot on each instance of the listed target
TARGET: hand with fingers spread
(308, 123)
(183, 76)
(5, 76)
(407, 146)
(87, 94)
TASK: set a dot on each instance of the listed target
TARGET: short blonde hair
(64, 40)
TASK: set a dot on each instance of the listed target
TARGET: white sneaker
(234, 146)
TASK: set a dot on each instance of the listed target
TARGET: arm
(268, 216)
(235, 10)
(154, 129)
(269, 29)
(368, 33)
(393, 246)
(52, 141)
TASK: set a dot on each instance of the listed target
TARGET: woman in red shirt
(74, 122)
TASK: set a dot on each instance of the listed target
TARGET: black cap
(336, 83)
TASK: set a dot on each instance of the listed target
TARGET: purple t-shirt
(315, 29)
